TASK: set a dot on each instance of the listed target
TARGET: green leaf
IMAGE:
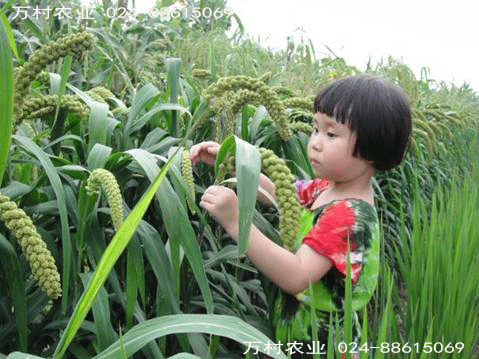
(108, 260)
(6, 99)
(222, 325)
(144, 96)
(184, 356)
(387, 316)
(143, 120)
(11, 39)
(98, 156)
(173, 88)
(178, 225)
(227, 147)
(135, 274)
(100, 126)
(105, 334)
(155, 251)
(248, 167)
(19, 355)
(59, 122)
(16, 287)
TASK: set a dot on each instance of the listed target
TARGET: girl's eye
(330, 134)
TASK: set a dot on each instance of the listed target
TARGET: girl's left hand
(222, 204)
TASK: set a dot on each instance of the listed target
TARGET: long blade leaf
(108, 260)
(248, 168)
(221, 325)
(177, 223)
(16, 286)
(6, 99)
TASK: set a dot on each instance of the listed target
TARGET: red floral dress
(330, 227)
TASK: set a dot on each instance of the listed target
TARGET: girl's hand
(204, 152)
(222, 204)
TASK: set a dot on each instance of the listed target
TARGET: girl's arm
(292, 272)
(268, 186)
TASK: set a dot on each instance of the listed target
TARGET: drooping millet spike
(73, 44)
(268, 96)
(201, 74)
(187, 173)
(305, 103)
(289, 209)
(34, 248)
(101, 92)
(38, 106)
(103, 178)
(231, 104)
(299, 126)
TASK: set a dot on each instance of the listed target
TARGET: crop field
(104, 249)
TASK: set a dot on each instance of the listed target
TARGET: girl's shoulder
(354, 212)
(307, 191)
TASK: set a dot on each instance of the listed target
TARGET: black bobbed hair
(376, 110)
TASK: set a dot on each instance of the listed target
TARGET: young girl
(360, 124)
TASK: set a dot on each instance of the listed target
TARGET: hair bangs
(336, 101)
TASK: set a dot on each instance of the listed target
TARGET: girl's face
(330, 150)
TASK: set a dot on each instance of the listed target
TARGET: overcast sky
(421, 33)
(438, 35)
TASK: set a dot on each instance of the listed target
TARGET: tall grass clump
(439, 268)
(430, 306)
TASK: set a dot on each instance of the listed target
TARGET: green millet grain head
(201, 120)
(268, 96)
(289, 209)
(299, 115)
(230, 104)
(95, 96)
(283, 91)
(31, 132)
(266, 77)
(74, 44)
(301, 127)
(224, 118)
(182, 120)
(299, 102)
(243, 97)
(104, 178)
(102, 91)
(201, 74)
(43, 77)
(187, 173)
(120, 111)
(34, 248)
(37, 106)
(41, 112)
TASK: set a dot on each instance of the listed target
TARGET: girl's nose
(316, 142)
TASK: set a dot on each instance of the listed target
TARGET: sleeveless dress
(327, 230)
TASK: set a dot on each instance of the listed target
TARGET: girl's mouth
(314, 163)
